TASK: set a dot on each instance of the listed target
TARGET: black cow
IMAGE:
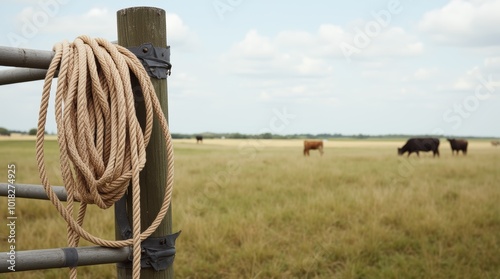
(458, 145)
(420, 144)
(199, 139)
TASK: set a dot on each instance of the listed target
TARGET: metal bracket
(156, 252)
(156, 60)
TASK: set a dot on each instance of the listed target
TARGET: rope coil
(102, 146)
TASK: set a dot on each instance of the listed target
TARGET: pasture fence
(107, 127)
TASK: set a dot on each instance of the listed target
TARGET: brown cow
(308, 145)
(495, 143)
(458, 145)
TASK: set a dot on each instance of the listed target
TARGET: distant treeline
(210, 135)
(7, 132)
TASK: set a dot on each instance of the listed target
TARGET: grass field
(259, 209)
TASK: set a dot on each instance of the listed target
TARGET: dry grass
(259, 209)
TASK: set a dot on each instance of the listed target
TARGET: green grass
(268, 212)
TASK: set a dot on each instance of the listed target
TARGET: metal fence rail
(62, 257)
(32, 64)
(33, 191)
(17, 75)
(24, 57)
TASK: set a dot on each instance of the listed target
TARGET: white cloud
(391, 41)
(179, 34)
(492, 63)
(300, 53)
(424, 73)
(299, 66)
(468, 80)
(289, 37)
(478, 76)
(464, 23)
(290, 53)
(376, 74)
(96, 13)
(264, 96)
(34, 25)
(254, 46)
(300, 93)
(394, 41)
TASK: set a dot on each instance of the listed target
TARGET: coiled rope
(102, 146)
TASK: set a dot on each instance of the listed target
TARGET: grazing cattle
(458, 145)
(308, 145)
(199, 139)
(420, 144)
(495, 143)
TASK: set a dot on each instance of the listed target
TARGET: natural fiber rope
(102, 146)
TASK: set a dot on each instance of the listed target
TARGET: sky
(370, 67)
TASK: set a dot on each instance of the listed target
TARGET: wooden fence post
(138, 25)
